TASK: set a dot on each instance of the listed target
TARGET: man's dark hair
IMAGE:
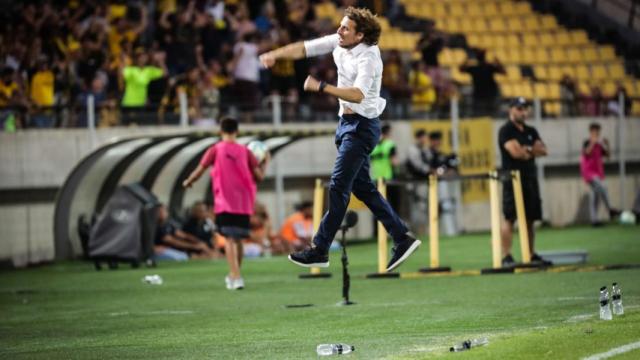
(419, 133)
(229, 125)
(366, 24)
(385, 129)
(594, 126)
(435, 135)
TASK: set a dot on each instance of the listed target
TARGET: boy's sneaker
(311, 257)
(508, 262)
(228, 282)
(238, 284)
(402, 251)
(537, 259)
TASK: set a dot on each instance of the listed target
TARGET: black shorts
(233, 226)
(531, 197)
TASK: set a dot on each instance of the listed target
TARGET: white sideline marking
(578, 318)
(160, 312)
(615, 351)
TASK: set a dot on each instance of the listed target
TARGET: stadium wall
(34, 164)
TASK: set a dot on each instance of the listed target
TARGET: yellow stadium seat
(514, 24)
(582, 73)
(506, 90)
(540, 71)
(599, 72)
(633, 87)
(558, 55)
(522, 8)
(497, 25)
(554, 73)
(541, 56)
(547, 39)
(456, 10)
(590, 54)
(459, 56)
(609, 88)
(500, 41)
(460, 77)
(616, 71)
(568, 70)
(513, 40)
(574, 55)
(526, 56)
(579, 37)
(563, 38)
(453, 25)
(523, 89)
(491, 41)
(607, 53)
(507, 8)
(473, 9)
(540, 91)
(584, 88)
(554, 91)
(439, 10)
(635, 108)
(413, 9)
(549, 22)
(530, 39)
(513, 73)
(490, 9)
(553, 108)
(384, 24)
(474, 40)
(479, 25)
(531, 23)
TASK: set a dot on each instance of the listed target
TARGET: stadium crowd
(136, 59)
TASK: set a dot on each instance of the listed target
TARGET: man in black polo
(520, 145)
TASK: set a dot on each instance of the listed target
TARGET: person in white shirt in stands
(357, 57)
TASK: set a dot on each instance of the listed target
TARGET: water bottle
(154, 279)
(334, 349)
(468, 344)
(605, 309)
(266, 244)
(616, 299)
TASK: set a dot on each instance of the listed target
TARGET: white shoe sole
(406, 254)
(320, 265)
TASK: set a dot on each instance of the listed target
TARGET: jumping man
(359, 64)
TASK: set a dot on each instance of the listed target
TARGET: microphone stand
(346, 279)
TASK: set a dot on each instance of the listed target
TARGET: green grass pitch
(70, 311)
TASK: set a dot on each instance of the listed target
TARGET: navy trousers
(356, 137)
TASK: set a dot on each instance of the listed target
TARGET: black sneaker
(537, 259)
(508, 261)
(402, 251)
(311, 257)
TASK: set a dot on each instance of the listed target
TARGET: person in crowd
(594, 150)
(297, 230)
(12, 101)
(234, 173)
(441, 163)
(171, 243)
(42, 92)
(262, 233)
(395, 85)
(485, 88)
(520, 144)
(419, 158)
(200, 223)
(423, 93)
(137, 78)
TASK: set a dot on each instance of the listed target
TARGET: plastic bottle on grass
(605, 309)
(334, 349)
(468, 344)
(616, 299)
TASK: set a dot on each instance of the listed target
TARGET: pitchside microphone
(350, 220)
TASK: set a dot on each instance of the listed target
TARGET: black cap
(518, 102)
(303, 205)
(435, 135)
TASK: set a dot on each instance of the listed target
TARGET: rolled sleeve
(366, 73)
(321, 46)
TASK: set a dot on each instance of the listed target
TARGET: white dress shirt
(359, 67)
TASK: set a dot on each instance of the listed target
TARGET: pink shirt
(591, 165)
(233, 185)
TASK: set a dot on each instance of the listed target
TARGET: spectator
(200, 223)
(594, 150)
(384, 160)
(430, 44)
(568, 96)
(613, 106)
(174, 244)
(485, 88)
(246, 74)
(11, 101)
(297, 230)
(42, 94)
(137, 79)
(262, 232)
(395, 85)
(419, 158)
(594, 103)
(441, 163)
(422, 90)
